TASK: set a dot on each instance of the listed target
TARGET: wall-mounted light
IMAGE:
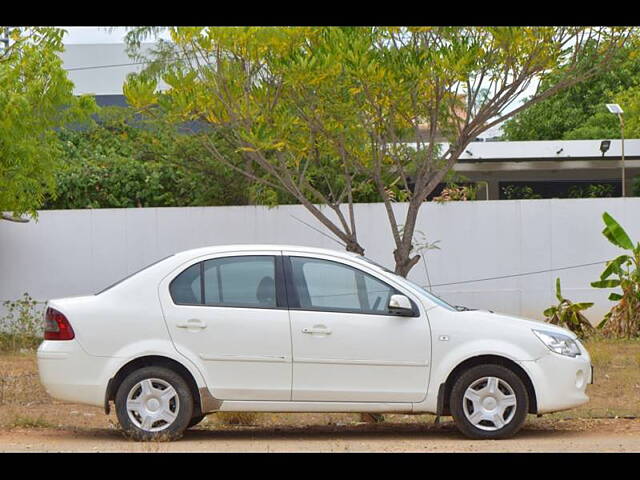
(604, 146)
(616, 110)
(559, 151)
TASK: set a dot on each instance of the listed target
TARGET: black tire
(183, 407)
(515, 420)
(195, 420)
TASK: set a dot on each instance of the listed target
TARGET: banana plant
(568, 314)
(622, 272)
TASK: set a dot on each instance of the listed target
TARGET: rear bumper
(560, 382)
(68, 373)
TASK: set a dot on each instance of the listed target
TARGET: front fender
(445, 360)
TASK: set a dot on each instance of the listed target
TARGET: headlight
(556, 342)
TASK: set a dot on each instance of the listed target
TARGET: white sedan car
(295, 329)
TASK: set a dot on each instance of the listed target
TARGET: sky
(93, 35)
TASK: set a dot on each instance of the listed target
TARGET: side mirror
(400, 305)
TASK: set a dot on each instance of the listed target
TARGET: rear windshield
(134, 273)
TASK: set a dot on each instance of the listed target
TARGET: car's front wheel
(489, 402)
(154, 403)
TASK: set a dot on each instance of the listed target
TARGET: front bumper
(68, 373)
(560, 382)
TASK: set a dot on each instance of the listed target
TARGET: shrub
(597, 190)
(453, 192)
(569, 315)
(21, 327)
(517, 192)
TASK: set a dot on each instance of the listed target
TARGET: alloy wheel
(489, 403)
(152, 404)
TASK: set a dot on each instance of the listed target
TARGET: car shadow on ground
(383, 431)
(387, 431)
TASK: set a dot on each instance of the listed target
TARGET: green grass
(17, 343)
(25, 421)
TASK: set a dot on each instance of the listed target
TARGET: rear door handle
(317, 329)
(195, 323)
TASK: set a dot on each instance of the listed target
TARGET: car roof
(249, 247)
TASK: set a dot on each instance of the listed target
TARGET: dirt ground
(30, 421)
(539, 435)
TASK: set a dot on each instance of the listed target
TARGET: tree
(578, 112)
(35, 98)
(315, 112)
(603, 124)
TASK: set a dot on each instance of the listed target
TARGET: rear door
(229, 311)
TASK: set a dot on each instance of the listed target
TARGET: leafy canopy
(120, 161)
(35, 98)
(316, 112)
(579, 113)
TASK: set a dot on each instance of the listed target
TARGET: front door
(347, 347)
(230, 312)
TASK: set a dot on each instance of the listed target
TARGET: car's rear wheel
(489, 402)
(154, 403)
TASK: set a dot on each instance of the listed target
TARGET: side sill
(326, 407)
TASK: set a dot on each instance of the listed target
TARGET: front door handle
(195, 323)
(317, 329)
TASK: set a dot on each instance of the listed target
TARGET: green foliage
(598, 190)
(26, 421)
(629, 100)
(569, 315)
(635, 186)
(615, 233)
(35, 98)
(21, 327)
(453, 192)
(600, 125)
(519, 192)
(322, 114)
(118, 162)
(623, 272)
(579, 111)
(603, 124)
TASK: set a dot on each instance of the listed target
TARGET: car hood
(514, 319)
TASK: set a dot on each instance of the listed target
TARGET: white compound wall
(78, 252)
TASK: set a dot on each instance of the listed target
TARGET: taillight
(56, 326)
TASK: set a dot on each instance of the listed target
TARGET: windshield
(424, 291)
